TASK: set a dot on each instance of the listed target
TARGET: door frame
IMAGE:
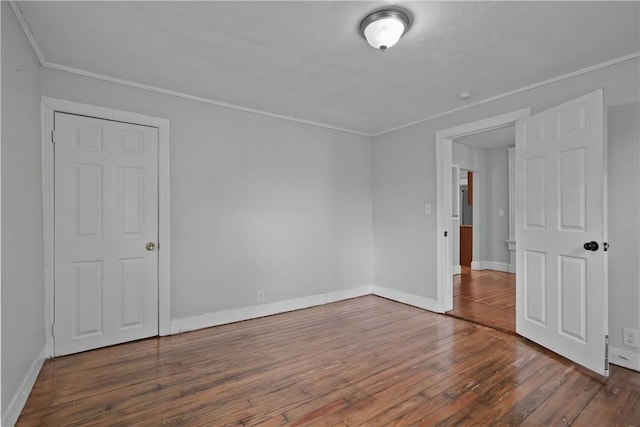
(476, 217)
(444, 222)
(49, 106)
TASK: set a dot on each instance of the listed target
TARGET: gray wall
(623, 187)
(257, 203)
(22, 255)
(497, 197)
(404, 179)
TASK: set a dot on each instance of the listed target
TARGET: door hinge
(446, 233)
(605, 246)
(53, 329)
(606, 353)
(53, 136)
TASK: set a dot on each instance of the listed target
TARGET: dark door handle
(591, 246)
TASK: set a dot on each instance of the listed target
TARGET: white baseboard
(497, 266)
(208, 320)
(12, 412)
(406, 298)
(349, 293)
(491, 265)
(625, 358)
(457, 269)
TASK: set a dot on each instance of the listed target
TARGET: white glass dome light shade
(384, 28)
(384, 33)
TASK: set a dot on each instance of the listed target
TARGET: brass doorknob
(150, 246)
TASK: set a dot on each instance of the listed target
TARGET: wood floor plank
(366, 361)
(485, 297)
(567, 402)
(616, 403)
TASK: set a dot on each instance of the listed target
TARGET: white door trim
(48, 107)
(444, 221)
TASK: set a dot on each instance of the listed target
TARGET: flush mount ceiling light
(383, 28)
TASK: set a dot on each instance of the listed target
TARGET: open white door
(561, 283)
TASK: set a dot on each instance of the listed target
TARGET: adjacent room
(327, 213)
(483, 231)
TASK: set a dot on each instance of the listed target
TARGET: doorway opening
(484, 276)
(457, 155)
(465, 236)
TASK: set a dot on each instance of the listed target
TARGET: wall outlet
(260, 296)
(631, 337)
(500, 212)
(427, 208)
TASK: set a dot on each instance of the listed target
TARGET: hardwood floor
(486, 297)
(365, 361)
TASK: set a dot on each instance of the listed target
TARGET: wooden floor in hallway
(486, 297)
(365, 361)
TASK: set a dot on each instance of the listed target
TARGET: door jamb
(48, 107)
(444, 223)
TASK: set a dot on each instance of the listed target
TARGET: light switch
(427, 208)
(500, 212)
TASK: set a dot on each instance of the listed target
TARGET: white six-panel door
(106, 211)
(561, 285)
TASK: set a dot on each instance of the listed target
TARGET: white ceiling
(496, 138)
(306, 60)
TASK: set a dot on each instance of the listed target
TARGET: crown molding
(54, 66)
(195, 98)
(46, 64)
(516, 91)
(27, 31)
